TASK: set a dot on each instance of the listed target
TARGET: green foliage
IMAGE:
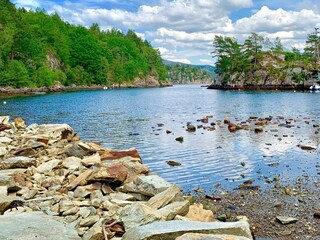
(259, 60)
(47, 50)
(184, 74)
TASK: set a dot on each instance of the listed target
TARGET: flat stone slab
(170, 230)
(199, 236)
(34, 226)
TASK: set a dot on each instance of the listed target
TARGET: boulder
(114, 155)
(137, 214)
(170, 230)
(165, 197)
(199, 236)
(113, 172)
(173, 209)
(34, 225)
(17, 162)
(197, 213)
(148, 185)
(55, 131)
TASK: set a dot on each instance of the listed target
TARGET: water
(128, 118)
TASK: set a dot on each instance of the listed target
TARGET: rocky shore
(55, 186)
(149, 82)
(298, 87)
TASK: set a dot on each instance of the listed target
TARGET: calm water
(128, 118)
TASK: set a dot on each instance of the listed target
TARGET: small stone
(191, 128)
(316, 215)
(72, 163)
(258, 130)
(94, 233)
(197, 213)
(19, 123)
(222, 217)
(179, 139)
(83, 191)
(286, 220)
(18, 162)
(46, 167)
(173, 163)
(71, 211)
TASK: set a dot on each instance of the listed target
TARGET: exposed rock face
(170, 230)
(48, 168)
(34, 225)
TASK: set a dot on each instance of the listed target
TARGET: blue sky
(183, 30)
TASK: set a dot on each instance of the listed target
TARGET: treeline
(186, 74)
(38, 49)
(259, 60)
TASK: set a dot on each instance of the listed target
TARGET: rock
(122, 196)
(179, 139)
(83, 191)
(76, 151)
(89, 221)
(94, 233)
(17, 162)
(5, 179)
(176, 208)
(82, 177)
(258, 130)
(173, 163)
(114, 155)
(91, 160)
(72, 163)
(3, 151)
(226, 121)
(191, 128)
(52, 182)
(5, 140)
(148, 185)
(55, 131)
(137, 214)
(47, 167)
(286, 220)
(4, 120)
(197, 213)
(113, 172)
(34, 225)
(165, 197)
(307, 148)
(19, 123)
(65, 205)
(222, 217)
(199, 236)
(71, 211)
(170, 230)
(316, 215)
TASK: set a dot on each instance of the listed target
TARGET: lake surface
(129, 118)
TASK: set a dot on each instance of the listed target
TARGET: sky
(183, 30)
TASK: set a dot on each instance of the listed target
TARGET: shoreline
(8, 92)
(300, 87)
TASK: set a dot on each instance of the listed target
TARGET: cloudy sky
(183, 30)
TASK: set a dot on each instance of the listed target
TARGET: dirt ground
(300, 200)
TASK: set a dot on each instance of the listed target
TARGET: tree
(15, 75)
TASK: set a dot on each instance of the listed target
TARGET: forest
(261, 61)
(40, 49)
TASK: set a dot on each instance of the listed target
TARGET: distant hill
(182, 73)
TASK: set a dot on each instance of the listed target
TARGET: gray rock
(17, 162)
(138, 214)
(89, 221)
(170, 230)
(199, 236)
(148, 185)
(46, 167)
(5, 179)
(176, 208)
(55, 131)
(34, 225)
(72, 163)
(165, 197)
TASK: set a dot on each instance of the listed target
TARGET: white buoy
(4, 102)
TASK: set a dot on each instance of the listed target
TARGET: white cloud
(181, 60)
(28, 3)
(207, 61)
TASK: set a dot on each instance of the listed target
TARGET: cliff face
(271, 72)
